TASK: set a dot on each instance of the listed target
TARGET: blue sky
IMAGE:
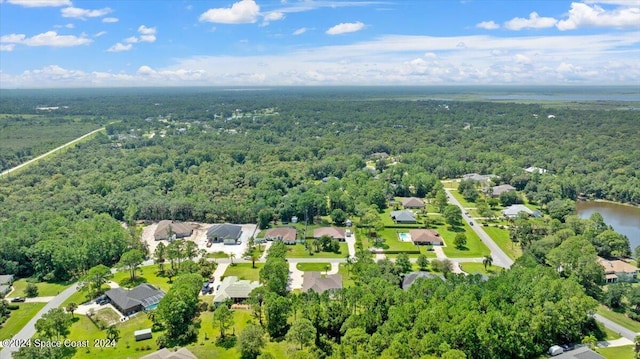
(71, 43)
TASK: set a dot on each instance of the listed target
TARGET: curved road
(4, 173)
(499, 257)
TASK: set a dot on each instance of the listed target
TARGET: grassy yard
(461, 199)
(450, 184)
(313, 267)
(474, 249)
(44, 289)
(145, 274)
(347, 281)
(298, 251)
(218, 255)
(126, 347)
(473, 268)
(623, 352)
(244, 271)
(501, 237)
(19, 318)
(619, 318)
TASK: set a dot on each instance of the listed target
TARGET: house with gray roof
(164, 353)
(478, 177)
(177, 229)
(580, 353)
(316, 282)
(403, 216)
(496, 191)
(130, 301)
(6, 280)
(224, 233)
(410, 278)
(514, 211)
(235, 290)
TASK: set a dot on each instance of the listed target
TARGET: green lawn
(473, 268)
(623, 352)
(501, 237)
(611, 335)
(313, 267)
(298, 251)
(453, 184)
(461, 199)
(347, 281)
(44, 289)
(474, 249)
(79, 297)
(19, 318)
(145, 274)
(217, 255)
(126, 347)
(244, 271)
(619, 318)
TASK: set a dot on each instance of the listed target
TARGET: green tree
(31, 290)
(454, 354)
(130, 261)
(177, 309)
(422, 262)
(487, 261)
(561, 208)
(613, 297)
(71, 307)
(93, 280)
(55, 324)
(441, 201)
(251, 341)
(355, 338)
(264, 218)
(577, 258)
(403, 263)
(338, 216)
(223, 319)
(453, 215)
(113, 333)
(276, 313)
(460, 240)
(301, 332)
(159, 256)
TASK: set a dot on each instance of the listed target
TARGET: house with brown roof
(285, 234)
(316, 282)
(333, 232)
(177, 229)
(426, 237)
(616, 270)
(412, 202)
(164, 353)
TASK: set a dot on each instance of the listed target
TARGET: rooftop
(284, 233)
(616, 266)
(314, 281)
(333, 232)
(180, 229)
(226, 230)
(233, 288)
(425, 235)
(412, 202)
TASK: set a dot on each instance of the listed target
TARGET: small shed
(142, 334)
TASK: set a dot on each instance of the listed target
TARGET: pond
(623, 219)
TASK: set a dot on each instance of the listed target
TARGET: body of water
(623, 219)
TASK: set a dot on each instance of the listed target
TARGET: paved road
(30, 329)
(4, 173)
(626, 333)
(499, 257)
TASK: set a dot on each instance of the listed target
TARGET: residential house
(130, 301)
(285, 234)
(333, 232)
(379, 156)
(410, 278)
(515, 210)
(316, 282)
(616, 270)
(177, 229)
(235, 290)
(478, 177)
(426, 237)
(412, 202)
(496, 191)
(224, 233)
(534, 169)
(580, 353)
(403, 216)
(164, 353)
(6, 280)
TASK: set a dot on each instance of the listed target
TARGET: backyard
(146, 274)
(244, 271)
(474, 247)
(298, 251)
(473, 268)
(44, 289)
(313, 267)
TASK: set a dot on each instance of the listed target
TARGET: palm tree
(159, 256)
(113, 333)
(231, 256)
(487, 261)
(636, 341)
(71, 307)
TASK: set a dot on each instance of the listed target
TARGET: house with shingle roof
(412, 202)
(285, 234)
(235, 290)
(410, 278)
(224, 233)
(514, 211)
(616, 270)
(403, 216)
(143, 297)
(426, 237)
(496, 191)
(179, 230)
(333, 232)
(316, 282)
(478, 177)
(164, 353)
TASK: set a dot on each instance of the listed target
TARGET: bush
(13, 307)
(413, 251)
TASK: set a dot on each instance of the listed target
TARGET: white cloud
(119, 47)
(110, 19)
(131, 40)
(300, 31)
(40, 3)
(488, 25)
(147, 34)
(83, 14)
(521, 59)
(272, 16)
(242, 12)
(583, 15)
(7, 47)
(345, 27)
(614, 2)
(49, 38)
(69, 26)
(533, 22)
(100, 34)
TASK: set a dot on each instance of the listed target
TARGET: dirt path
(4, 173)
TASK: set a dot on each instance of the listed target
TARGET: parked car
(18, 299)
(471, 223)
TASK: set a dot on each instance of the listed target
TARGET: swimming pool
(405, 237)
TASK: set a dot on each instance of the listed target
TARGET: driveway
(351, 244)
